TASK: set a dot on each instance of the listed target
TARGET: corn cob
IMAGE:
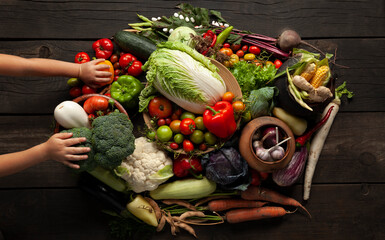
(309, 71)
(320, 76)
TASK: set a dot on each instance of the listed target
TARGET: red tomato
(161, 122)
(277, 63)
(160, 107)
(117, 72)
(226, 51)
(95, 103)
(75, 92)
(107, 94)
(254, 50)
(235, 47)
(240, 53)
(82, 57)
(126, 59)
(187, 126)
(88, 90)
(168, 121)
(175, 126)
(91, 117)
(264, 175)
(255, 178)
(245, 48)
(116, 65)
(103, 48)
(226, 45)
(135, 68)
(174, 145)
(228, 96)
(202, 147)
(188, 146)
(114, 58)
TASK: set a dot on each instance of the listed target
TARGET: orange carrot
(264, 194)
(250, 214)
(225, 204)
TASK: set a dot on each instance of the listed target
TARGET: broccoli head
(112, 139)
(89, 163)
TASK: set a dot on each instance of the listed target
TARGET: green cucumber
(184, 189)
(135, 44)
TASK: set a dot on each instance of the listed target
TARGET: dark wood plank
(364, 76)
(338, 212)
(96, 18)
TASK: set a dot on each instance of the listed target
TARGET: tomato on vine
(188, 146)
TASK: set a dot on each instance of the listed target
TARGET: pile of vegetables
(185, 167)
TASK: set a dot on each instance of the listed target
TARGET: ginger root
(319, 94)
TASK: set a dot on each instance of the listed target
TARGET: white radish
(317, 144)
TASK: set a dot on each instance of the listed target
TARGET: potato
(296, 124)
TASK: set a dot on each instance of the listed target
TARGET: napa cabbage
(184, 76)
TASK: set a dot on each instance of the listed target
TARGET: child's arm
(58, 148)
(90, 73)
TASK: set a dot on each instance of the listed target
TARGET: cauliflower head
(146, 168)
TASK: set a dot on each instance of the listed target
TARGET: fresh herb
(251, 77)
(341, 90)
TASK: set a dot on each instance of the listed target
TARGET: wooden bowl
(231, 85)
(246, 144)
(85, 97)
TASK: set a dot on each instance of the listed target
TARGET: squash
(70, 114)
(184, 189)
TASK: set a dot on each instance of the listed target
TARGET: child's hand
(92, 74)
(60, 148)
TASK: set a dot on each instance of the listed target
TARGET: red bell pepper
(219, 119)
(184, 165)
(103, 48)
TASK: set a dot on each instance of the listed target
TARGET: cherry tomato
(210, 138)
(91, 117)
(269, 63)
(175, 126)
(116, 77)
(114, 58)
(228, 96)
(238, 106)
(164, 133)
(73, 82)
(95, 103)
(202, 147)
(258, 62)
(168, 120)
(245, 48)
(255, 178)
(178, 138)
(226, 45)
(151, 135)
(117, 65)
(187, 115)
(161, 122)
(235, 47)
(234, 59)
(117, 72)
(277, 63)
(254, 50)
(82, 57)
(160, 107)
(187, 126)
(107, 94)
(199, 123)
(227, 64)
(188, 146)
(88, 90)
(226, 51)
(174, 145)
(264, 175)
(197, 137)
(249, 56)
(135, 68)
(75, 92)
(240, 53)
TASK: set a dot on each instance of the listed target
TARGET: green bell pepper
(126, 90)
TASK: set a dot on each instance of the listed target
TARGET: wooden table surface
(347, 197)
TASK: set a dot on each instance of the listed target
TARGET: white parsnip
(317, 144)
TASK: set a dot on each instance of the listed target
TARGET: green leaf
(163, 174)
(342, 90)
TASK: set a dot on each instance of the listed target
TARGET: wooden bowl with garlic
(267, 144)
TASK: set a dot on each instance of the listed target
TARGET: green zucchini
(190, 188)
(135, 44)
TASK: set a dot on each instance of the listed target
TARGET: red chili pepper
(184, 165)
(300, 141)
(103, 48)
(219, 119)
(210, 34)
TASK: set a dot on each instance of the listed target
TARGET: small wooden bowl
(85, 97)
(231, 85)
(246, 144)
